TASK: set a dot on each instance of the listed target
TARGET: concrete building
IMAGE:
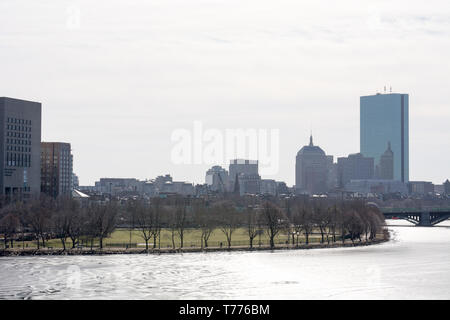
(75, 181)
(354, 167)
(447, 187)
(177, 187)
(249, 183)
(56, 169)
(217, 179)
(163, 185)
(269, 186)
(420, 187)
(20, 148)
(282, 188)
(384, 118)
(332, 173)
(118, 186)
(376, 186)
(243, 168)
(385, 170)
(311, 170)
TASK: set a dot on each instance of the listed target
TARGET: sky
(117, 78)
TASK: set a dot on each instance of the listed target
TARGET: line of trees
(64, 219)
(71, 223)
(296, 218)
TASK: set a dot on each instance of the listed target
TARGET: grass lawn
(121, 238)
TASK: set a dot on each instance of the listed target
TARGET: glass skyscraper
(384, 119)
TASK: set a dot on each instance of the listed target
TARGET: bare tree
(181, 216)
(157, 221)
(253, 227)
(274, 221)
(103, 220)
(306, 221)
(142, 214)
(228, 219)
(39, 213)
(321, 219)
(205, 221)
(9, 223)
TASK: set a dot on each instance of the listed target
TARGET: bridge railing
(414, 210)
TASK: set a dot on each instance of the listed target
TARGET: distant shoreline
(109, 251)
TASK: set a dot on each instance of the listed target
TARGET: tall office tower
(20, 148)
(56, 169)
(386, 168)
(217, 179)
(354, 167)
(311, 170)
(384, 119)
(241, 166)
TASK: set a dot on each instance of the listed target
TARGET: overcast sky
(117, 77)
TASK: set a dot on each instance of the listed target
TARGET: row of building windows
(18, 159)
(17, 148)
(18, 134)
(18, 128)
(18, 141)
(19, 121)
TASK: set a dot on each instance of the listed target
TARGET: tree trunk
(173, 240)
(181, 240)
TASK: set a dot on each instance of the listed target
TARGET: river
(415, 264)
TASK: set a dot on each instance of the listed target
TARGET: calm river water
(415, 264)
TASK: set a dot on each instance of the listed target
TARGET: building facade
(354, 167)
(447, 187)
(269, 186)
(241, 168)
(420, 187)
(217, 179)
(20, 148)
(56, 169)
(311, 170)
(119, 186)
(385, 170)
(374, 186)
(384, 118)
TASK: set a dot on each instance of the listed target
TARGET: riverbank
(107, 251)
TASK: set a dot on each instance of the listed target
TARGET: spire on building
(311, 144)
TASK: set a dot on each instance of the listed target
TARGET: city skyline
(114, 94)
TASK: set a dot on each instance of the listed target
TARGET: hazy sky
(117, 77)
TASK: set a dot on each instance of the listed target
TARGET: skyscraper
(20, 148)
(384, 118)
(311, 170)
(56, 169)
